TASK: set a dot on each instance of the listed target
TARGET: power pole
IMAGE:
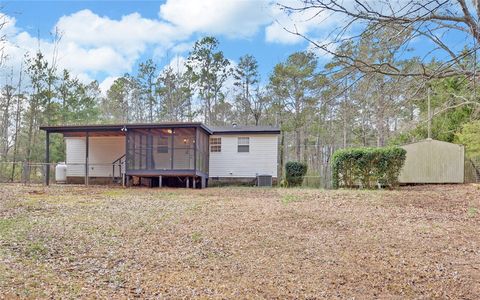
(429, 123)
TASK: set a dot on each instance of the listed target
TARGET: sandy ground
(72, 241)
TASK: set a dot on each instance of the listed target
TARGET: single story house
(176, 153)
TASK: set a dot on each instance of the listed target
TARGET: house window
(215, 144)
(162, 144)
(243, 144)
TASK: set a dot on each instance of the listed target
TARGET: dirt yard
(67, 241)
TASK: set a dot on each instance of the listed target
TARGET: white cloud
(130, 34)
(182, 47)
(177, 64)
(106, 84)
(91, 44)
(100, 47)
(317, 22)
(306, 22)
(233, 18)
(70, 55)
(84, 78)
(115, 45)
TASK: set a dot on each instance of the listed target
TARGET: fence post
(24, 172)
(47, 159)
(86, 156)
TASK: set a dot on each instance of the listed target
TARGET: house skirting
(212, 181)
(91, 180)
(244, 181)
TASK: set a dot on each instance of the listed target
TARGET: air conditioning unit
(264, 180)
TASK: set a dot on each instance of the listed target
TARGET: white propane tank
(61, 173)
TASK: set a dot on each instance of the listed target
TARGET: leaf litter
(107, 242)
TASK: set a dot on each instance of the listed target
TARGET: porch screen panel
(162, 149)
(138, 150)
(184, 151)
(202, 152)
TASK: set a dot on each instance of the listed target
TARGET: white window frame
(243, 142)
(215, 147)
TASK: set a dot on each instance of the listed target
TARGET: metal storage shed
(432, 161)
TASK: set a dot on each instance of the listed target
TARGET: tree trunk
(6, 121)
(298, 145)
(18, 114)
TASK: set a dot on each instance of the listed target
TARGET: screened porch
(167, 151)
(175, 154)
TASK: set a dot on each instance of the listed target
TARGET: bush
(470, 137)
(295, 171)
(367, 167)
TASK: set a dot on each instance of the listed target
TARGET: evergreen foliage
(367, 167)
(294, 172)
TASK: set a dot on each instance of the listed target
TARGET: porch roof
(119, 129)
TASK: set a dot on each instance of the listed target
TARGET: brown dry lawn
(72, 241)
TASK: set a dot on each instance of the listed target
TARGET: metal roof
(245, 129)
(239, 129)
(115, 127)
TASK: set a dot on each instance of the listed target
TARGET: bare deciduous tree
(435, 21)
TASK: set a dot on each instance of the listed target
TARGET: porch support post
(160, 181)
(149, 159)
(204, 182)
(125, 176)
(195, 145)
(173, 145)
(194, 182)
(47, 158)
(188, 182)
(87, 134)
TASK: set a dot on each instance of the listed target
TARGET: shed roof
(429, 140)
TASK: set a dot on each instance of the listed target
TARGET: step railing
(120, 163)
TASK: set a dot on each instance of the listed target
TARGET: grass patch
(196, 237)
(36, 250)
(114, 192)
(472, 212)
(6, 226)
(289, 198)
(14, 228)
(30, 203)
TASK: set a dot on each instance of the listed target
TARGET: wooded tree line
(361, 94)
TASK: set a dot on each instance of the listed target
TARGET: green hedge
(367, 167)
(294, 172)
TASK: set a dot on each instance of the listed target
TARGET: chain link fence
(322, 178)
(472, 170)
(318, 176)
(24, 172)
(35, 173)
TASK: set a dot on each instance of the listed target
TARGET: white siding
(102, 152)
(262, 159)
(75, 154)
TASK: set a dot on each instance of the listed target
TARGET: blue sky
(103, 39)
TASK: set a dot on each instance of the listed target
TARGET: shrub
(295, 171)
(367, 166)
(470, 137)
